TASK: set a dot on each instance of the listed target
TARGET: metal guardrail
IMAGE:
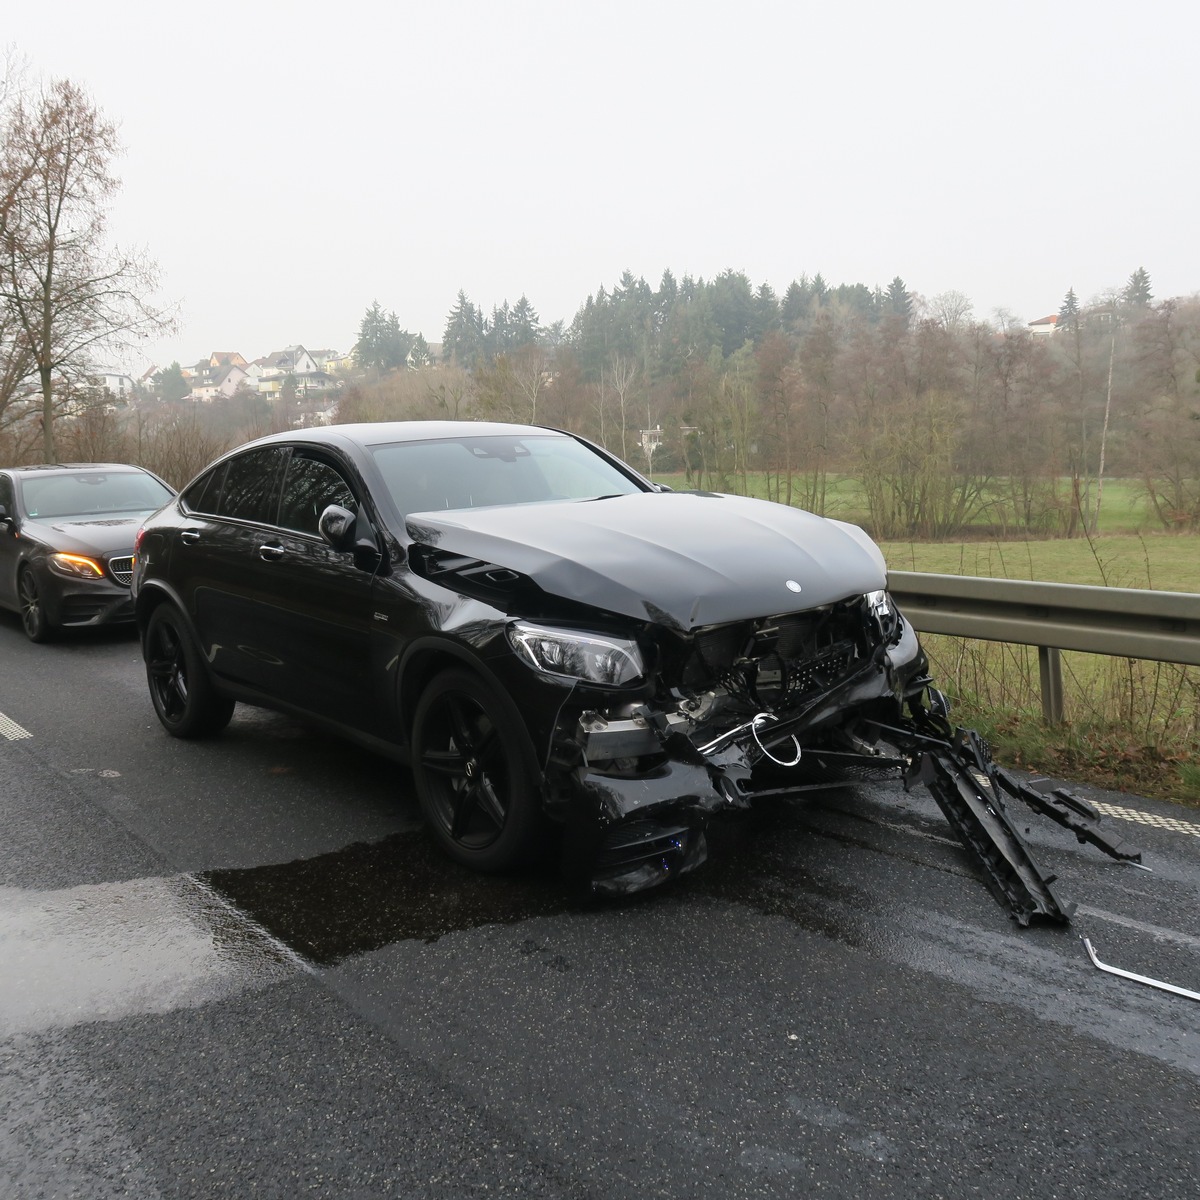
(1125, 622)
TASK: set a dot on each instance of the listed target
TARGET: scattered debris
(1154, 983)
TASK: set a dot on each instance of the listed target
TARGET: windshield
(477, 472)
(91, 493)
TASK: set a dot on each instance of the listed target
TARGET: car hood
(98, 535)
(686, 559)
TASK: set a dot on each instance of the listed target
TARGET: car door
(224, 581)
(317, 632)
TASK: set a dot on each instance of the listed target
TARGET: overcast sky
(287, 164)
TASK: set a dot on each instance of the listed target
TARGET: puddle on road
(101, 952)
(370, 895)
(107, 951)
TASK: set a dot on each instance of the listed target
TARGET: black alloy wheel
(183, 695)
(475, 785)
(33, 609)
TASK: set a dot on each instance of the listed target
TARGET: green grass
(1123, 508)
(1163, 562)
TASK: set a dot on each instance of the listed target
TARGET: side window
(7, 499)
(310, 487)
(249, 490)
(203, 495)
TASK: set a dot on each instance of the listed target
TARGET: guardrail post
(1050, 669)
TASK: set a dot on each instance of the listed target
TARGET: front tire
(180, 688)
(474, 777)
(34, 620)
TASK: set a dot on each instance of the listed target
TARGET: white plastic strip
(1154, 983)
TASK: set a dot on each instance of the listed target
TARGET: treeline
(947, 422)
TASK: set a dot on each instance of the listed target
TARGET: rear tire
(474, 776)
(180, 688)
(34, 620)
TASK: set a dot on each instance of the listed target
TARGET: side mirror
(336, 526)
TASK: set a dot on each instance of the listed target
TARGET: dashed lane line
(1144, 818)
(11, 730)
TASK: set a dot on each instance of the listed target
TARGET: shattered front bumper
(644, 823)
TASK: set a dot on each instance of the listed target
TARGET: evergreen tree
(1137, 293)
(766, 312)
(382, 345)
(898, 300)
(170, 383)
(462, 340)
(733, 308)
(794, 309)
(525, 329)
(1068, 313)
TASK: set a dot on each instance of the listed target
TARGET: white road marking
(1155, 931)
(12, 730)
(1144, 818)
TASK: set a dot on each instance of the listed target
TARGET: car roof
(381, 433)
(66, 468)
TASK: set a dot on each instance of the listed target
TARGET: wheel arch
(425, 659)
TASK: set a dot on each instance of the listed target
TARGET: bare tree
(67, 291)
(951, 310)
(622, 373)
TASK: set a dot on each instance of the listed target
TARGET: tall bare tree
(68, 293)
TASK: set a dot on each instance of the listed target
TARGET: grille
(122, 569)
(635, 842)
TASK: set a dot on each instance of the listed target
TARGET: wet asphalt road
(239, 968)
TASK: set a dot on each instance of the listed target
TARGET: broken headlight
(881, 606)
(574, 654)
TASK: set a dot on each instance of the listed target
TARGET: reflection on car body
(547, 636)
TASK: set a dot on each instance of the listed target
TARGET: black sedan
(549, 638)
(66, 542)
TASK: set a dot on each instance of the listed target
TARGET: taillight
(137, 541)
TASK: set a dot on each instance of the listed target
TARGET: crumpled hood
(681, 558)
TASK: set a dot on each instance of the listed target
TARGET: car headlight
(573, 654)
(880, 603)
(883, 608)
(76, 565)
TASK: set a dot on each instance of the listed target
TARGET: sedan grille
(122, 569)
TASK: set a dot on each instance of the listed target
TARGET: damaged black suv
(545, 635)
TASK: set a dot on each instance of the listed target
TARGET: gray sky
(289, 163)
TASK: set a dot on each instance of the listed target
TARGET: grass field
(1123, 510)
(1164, 562)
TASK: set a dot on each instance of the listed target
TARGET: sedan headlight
(76, 565)
(574, 654)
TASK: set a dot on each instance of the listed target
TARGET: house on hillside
(221, 374)
(116, 383)
(226, 358)
(219, 382)
(309, 374)
(1044, 326)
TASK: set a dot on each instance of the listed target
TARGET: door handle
(189, 537)
(270, 552)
